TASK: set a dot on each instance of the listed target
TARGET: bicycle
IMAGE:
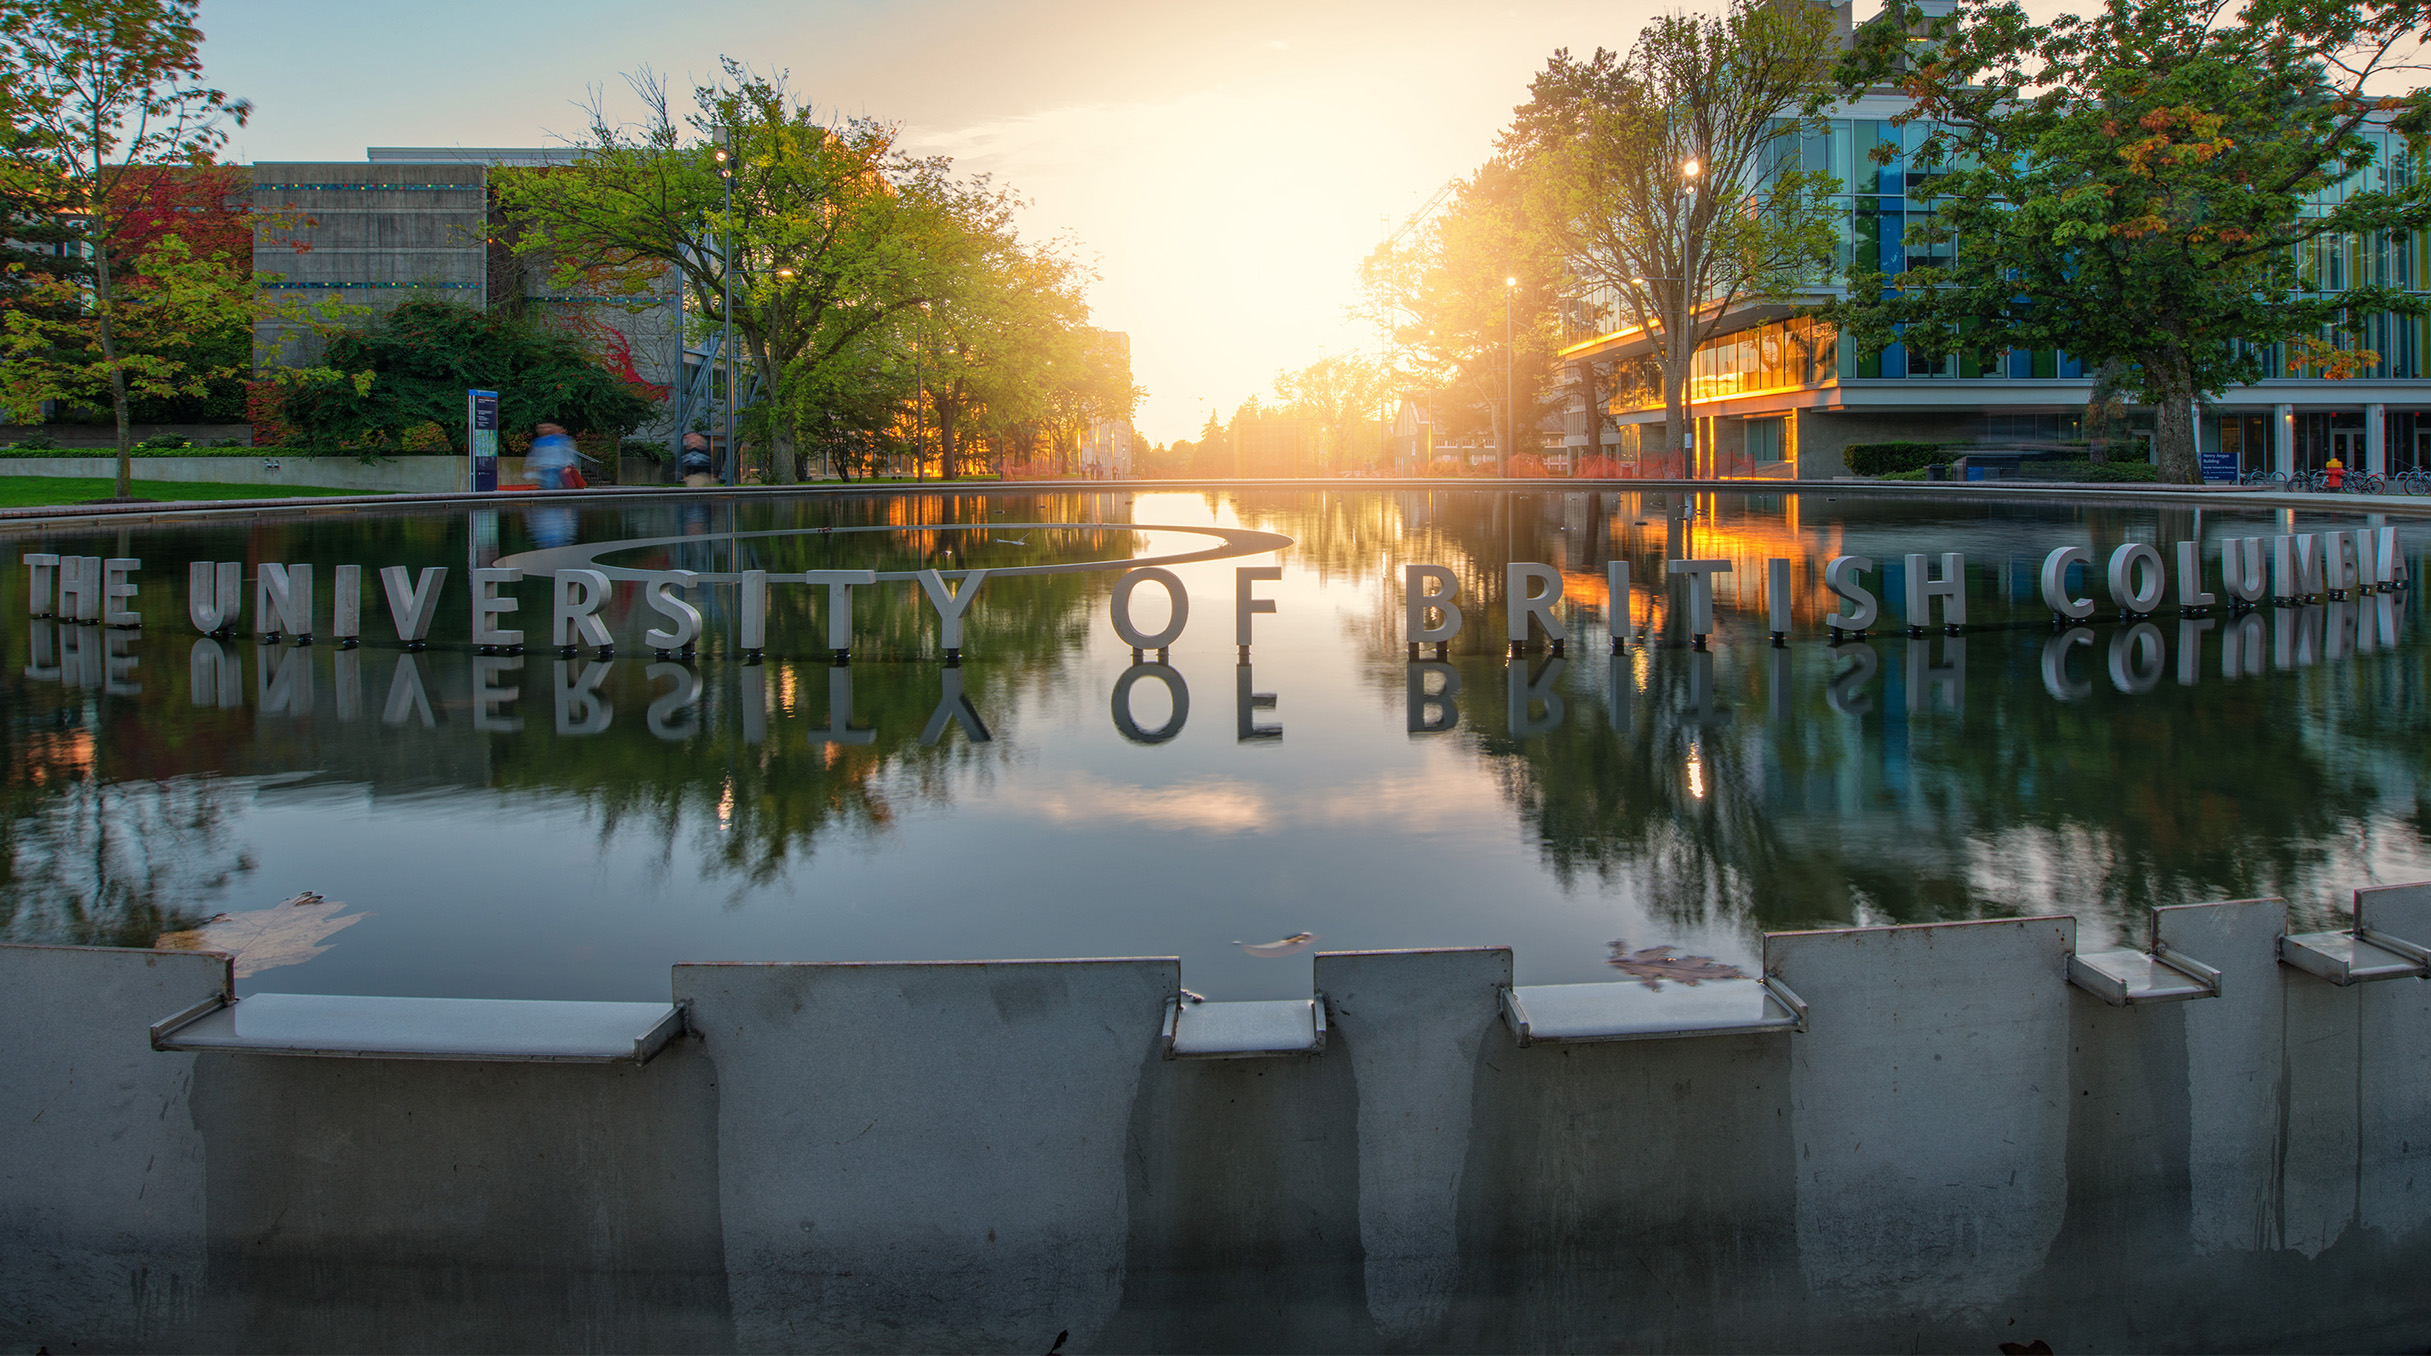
(2270, 480)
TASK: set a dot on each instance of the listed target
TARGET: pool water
(504, 825)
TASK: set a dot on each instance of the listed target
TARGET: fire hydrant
(2336, 471)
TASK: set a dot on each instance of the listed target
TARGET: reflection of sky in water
(1704, 809)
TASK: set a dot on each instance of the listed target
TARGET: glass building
(1776, 394)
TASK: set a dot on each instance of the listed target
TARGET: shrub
(1878, 459)
(642, 447)
(39, 442)
(166, 442)
(426, 436)
(2091, 472)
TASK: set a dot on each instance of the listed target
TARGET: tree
(416, 363)
(98, 92)
(826, 225)
(1004, 329)
(1346, 395)
(1662, 179)
(1458, 296)
(2136, 186)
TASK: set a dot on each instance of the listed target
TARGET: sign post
(481, 441)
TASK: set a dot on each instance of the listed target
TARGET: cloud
(1225, 805)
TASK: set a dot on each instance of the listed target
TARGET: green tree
(827, 225)
(2140, 185)
(1005, 329)
(98, 92)
(417, 362)
(1668, 181)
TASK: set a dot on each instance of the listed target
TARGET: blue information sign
(2219, 464)
(481, 441)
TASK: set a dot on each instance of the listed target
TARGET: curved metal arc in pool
(1231, 542)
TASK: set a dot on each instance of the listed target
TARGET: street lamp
(724, 156)
(1510, 408)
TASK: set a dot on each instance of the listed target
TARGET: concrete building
(410, 223)
(1774, 394)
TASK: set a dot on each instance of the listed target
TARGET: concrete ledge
(343, 1026)
(1625, 1011)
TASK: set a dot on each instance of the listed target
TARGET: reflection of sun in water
(1696, 772)
(725, 806)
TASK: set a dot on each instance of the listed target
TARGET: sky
(1224, 168)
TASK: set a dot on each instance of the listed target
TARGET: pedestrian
(551, 458)
(693, 463)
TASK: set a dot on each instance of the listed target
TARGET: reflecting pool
(549, 826)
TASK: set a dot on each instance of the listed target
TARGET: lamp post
(724, 156)
(1510, 408)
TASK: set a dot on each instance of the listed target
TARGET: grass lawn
(48, 491)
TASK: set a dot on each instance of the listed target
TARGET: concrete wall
(416, 475)
(1822, 436)
(1961, 1150)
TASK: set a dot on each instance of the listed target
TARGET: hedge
(1876, 459)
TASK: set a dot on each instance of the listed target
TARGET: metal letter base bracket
(1540, 1014)
(2124, 978)
(2352, 957)
(1289, 1026)
(347, 1027)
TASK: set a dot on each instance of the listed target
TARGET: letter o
(1132, 635)
(1174, 686)
(2126, 589)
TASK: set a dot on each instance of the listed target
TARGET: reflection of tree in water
(2020, 803)
(746, 771)
(94, 862)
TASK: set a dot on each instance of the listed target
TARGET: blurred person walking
(551, 459)
(694, 464)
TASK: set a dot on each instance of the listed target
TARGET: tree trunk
(1675, 421)
(102, 299)
(783, 437)
(2173, 438)
(949, 457)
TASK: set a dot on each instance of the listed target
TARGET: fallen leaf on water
(1654, 964)
(1298, 941)
(287, 933)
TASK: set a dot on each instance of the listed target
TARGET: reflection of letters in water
(1847, 692)
(1531, 690)
(1437, 710)
(1247, 704)
(684, 697)
(580, 709)
(1178, 690)
(215, 675)
(1947, 679)
(42, 651)
(2055, 664)
(283, 681)
(840, 712)
(406, 699)
(954, 707)
(497, 682)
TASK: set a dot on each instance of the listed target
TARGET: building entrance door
(2346, 444)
